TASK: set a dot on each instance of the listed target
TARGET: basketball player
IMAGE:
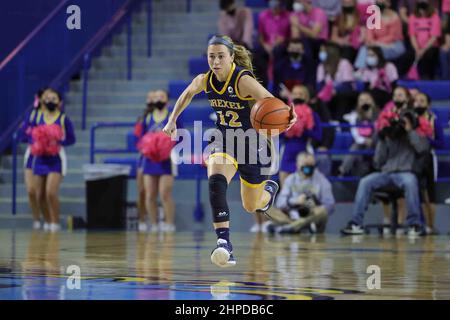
(49, 170)
(230, 86)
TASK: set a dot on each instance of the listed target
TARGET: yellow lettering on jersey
(219, 103)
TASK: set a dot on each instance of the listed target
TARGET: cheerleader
(150, 105)
(25, 136)
(158, 173)
(50, 163)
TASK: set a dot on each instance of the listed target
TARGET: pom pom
(305, 121)
(384, 120)
(156, 146)
(138, 129)
(46, 140)
(424, 129)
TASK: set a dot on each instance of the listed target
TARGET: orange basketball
(270, 114)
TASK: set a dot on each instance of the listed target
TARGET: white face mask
(323, 56)
(372, 61)
(298, 7)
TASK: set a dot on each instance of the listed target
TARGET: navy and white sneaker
(271, 187)
(352, 229)
(222, 255)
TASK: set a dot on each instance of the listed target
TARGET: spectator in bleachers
(332, 9)
(236, 22)
(363, 137)
(296, 139)
(396, 156)
(335, 81)
(306, 197)
(347, 30)
(293, 65)
(406, 8)
(388, 37)
(379, 76)
(424, 29)
(310, 23)
(432, 129)
(323, 160)
(445, 47)
(273, 31)
(140, 204)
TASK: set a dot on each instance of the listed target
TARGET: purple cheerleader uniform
(166, 167)
(44, 165)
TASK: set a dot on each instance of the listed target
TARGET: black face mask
(422, 5)
(298, 101)
(420, 110)
(366, 107)
(382, 6)
(160, 105)
(51, 106)
(399, 104)
(225, 4)
(295, 56)
(348, 10)
(307, 170)
(231, 12)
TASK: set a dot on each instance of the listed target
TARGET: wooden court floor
(128, 265)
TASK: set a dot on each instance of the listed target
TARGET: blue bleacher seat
(256, 3)
(198, 65)
(177, 87)
(342, 141)
(437, 90)
(443, 114)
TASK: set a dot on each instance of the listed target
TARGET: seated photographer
(397, 155)
(305, 201)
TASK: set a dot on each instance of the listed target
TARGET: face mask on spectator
(298, 101)
(323, 56)
(295, 56)
(307, 170)
(366, 107)
(399, 104)
(382, 6)
(298, 7)
(160, 105)
(422, 5)
(348, 9)
(372, 61)
(51, 106)
(420, 110)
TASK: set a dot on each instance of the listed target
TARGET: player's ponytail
(243, 57)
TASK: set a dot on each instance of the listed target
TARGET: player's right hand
(170, 129)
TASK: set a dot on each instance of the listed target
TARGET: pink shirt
(390, 31)
(446, 6)
(315, 17)
(238, 27)
(422, 28)
(379, 78)
(344, 73)
(271, 26)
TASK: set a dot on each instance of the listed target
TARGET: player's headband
(220, 40)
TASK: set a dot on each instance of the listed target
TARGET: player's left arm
(248, 86)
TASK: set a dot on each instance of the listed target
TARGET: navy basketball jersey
(232, 110)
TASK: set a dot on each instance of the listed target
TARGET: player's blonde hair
(242, 57)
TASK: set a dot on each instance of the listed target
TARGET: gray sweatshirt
(401, 154)
(295, 185)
